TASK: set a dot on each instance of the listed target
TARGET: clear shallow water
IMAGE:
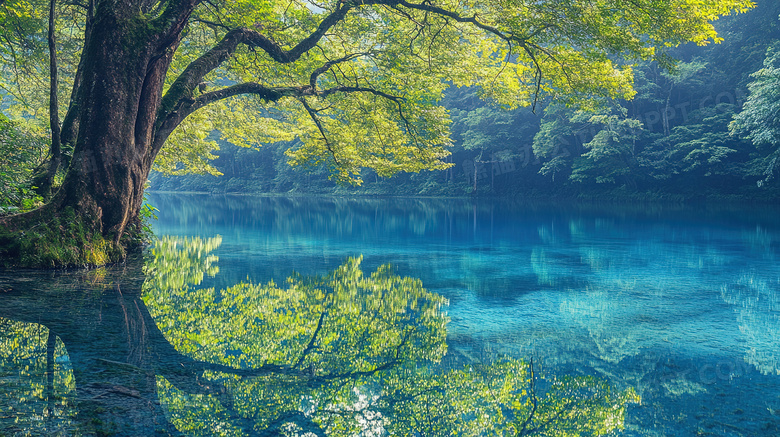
(678, 305)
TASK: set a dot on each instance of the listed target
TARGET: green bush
(21, 151)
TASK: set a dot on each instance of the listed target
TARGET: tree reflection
(346, 353)
(35, 378)
(756, 302)
(112, 344)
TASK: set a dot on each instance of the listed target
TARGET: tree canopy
(357, 83)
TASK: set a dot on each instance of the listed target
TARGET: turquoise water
(667, 317)
(681, 303)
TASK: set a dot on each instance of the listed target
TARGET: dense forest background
(672, 141)
(677, 139)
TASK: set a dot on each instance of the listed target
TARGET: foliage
(24, 69)
(610, 155)
(758, 120)
(502, 398)
(147, 215)
(21, 151)
(181, 262)
(373, 130)
(24, 63)
(702, 145)
(376, 76)
(607, 138)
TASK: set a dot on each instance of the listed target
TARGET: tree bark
(55, 151)
(124, 65)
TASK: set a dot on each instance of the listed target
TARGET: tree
(611, 153)
(357, 81)
(598, 145)
(758, 120)
(493, 135)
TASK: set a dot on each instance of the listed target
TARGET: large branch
(185, 84)
(187, 106)
(270, 94)
(172, 20)
(275, 51)
(178, 102)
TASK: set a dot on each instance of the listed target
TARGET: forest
(698, 124)
(699, 130)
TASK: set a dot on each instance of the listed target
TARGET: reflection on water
(261, 317)
(756, 302)
(340, 354)
(35, 381)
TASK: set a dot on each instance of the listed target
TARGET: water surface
(670, 314)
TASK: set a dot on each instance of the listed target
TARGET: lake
(339, 316)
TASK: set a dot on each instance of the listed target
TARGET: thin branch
(537, 74)
(211, 24)
(507, 37)
(319, 71)
(316, 120)
(388, 365)
(358, 89)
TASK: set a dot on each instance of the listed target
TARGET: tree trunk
(112, 114)
(123, 73)
(55, 151)
(475, 175)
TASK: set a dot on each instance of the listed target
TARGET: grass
(67, 240)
